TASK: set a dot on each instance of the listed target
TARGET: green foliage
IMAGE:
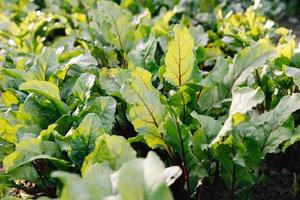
(91, 89)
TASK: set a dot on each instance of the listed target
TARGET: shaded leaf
(46, 89)
(83, 86)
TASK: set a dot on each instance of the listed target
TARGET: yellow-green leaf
(146, 112)
(180, 57)
(8, 131)
(9, 98)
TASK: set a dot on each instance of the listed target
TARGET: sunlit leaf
(180, 58)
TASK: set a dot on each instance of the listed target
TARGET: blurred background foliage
(278, 10)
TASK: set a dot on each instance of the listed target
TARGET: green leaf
(210, 97)
(95, 184)
(114, 150)
(116, 26)
(294, 73)
(46, 61)
(111, 80)
(182, 96)
(31, 149)
(7, 25)
(181, 99)
(235, 176)
(46, 89)
(243, 100)
(25, 172)
(83, 85)
(161, 24)
(105, 107)
(64, 123)
(210, 126)
(178, 137)
(216, 75)
(41, 111)
(6, 148)
(180, 57)
(83, 61)
(101, 182)
(149, 182)
(143, 53)
(293, 139)
(212, 54)
(199, 35)
(246, 60)
(248, 153)
(269, 129)
(207, 131)
(84, 137)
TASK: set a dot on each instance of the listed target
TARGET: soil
(282, 176)
(281, 180)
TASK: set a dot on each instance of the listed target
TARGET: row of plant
(141, 99)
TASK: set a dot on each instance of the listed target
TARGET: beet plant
(141, 100)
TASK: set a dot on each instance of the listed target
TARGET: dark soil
(281, 180)
(282, 176)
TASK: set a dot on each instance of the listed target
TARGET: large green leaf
(214, 91)
(83, 85)
(114, 150)
(41, 111)
(116, 26)
(111, 80)
(236, 177)
(217, 74)
(143, 53)
(30, 150)
(101, 182)
(83, 61)
(180, 57)
(82, 140)
(243, 100)
(46, 61)
(7, 25)
(199, 35)
(149, 182)
(246, 60)
(9, 98)
(270, 129)
(105, 108)
(95, 184)
(208, 129)
(46, 89)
